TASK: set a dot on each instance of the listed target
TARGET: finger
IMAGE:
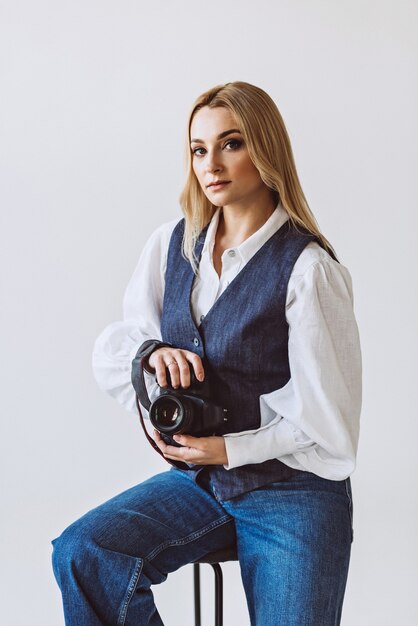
(166, 449)
(181, 459)
(188, 455)
(161, 371)
(159, 441)
(184, 370)
(189, 441)
(154, 356)
(197, 364)
(181, 454)
(173, 369)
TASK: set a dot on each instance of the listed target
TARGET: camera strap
(139, 364)
(141, 395)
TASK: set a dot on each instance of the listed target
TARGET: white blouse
(312, 423)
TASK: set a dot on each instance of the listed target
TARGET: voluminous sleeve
(312, 423)
(116, 346)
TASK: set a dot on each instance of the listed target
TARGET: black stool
(213, 559)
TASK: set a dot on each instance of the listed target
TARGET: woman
(248, 292)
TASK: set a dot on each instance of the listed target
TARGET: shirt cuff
(269, 442)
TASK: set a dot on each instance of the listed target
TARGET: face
(220, 154)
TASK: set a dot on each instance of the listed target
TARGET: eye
(195, 151)
(236, 143)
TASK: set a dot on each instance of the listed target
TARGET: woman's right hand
(177, 361)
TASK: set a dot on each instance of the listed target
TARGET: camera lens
(167, 414)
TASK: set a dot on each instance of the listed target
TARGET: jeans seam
(130, 591)
(196, 535)
(350, 508)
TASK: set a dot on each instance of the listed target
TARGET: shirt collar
(253, 243)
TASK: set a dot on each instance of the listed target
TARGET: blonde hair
(269, 148)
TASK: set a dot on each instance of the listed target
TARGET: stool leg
(218, 594)
(196, 578)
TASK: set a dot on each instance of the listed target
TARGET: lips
(218, 182)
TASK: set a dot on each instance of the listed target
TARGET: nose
(213, 162)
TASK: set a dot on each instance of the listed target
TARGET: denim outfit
(293, 529)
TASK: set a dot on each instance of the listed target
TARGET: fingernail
(200, 377)
(177, 438)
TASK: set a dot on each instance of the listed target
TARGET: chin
(221, 197)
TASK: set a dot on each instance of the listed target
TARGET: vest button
(202, 317)
(196, 341)
(231, 253)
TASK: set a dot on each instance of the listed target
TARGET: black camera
(176, 411)
(189, 411)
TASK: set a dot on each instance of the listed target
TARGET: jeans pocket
(350, 504)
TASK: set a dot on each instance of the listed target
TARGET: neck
(238, 222)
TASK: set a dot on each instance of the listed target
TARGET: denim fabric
(293, 539)
(242, 340)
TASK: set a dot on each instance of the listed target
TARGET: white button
(196, 341)
(231, 253)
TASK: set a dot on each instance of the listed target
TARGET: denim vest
(242, 341)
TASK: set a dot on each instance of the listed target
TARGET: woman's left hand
(196, 450)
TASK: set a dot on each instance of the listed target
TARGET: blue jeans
(293, 538)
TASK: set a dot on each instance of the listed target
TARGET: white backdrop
(94, 100)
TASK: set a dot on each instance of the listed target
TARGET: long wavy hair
(269, 148)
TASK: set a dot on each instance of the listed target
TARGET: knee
(71, 549)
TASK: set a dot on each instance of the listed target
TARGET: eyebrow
(224, 134)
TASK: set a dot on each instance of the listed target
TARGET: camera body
(189, 411)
